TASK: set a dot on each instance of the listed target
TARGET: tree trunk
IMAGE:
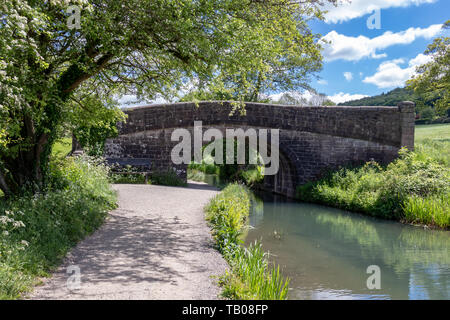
(24, 171)
(4, 186)
(75, 144)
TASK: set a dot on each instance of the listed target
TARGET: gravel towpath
(156, 245)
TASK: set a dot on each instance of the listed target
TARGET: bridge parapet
(377, 124)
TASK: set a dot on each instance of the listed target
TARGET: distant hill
(391, 98)
(425, 112)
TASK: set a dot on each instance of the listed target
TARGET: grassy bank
(413, 189)
(250, 277)
(36, 231)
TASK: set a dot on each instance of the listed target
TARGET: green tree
(433, 79)
(143, 47)
(92, 120)
(273, 61)
(427, 114)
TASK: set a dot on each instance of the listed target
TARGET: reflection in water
(326, 252)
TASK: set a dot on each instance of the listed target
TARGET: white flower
(18, 224)
(5, 233)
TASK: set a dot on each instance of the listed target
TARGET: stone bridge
(312, 140)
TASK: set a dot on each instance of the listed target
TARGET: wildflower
(18, 224)
(4, 220)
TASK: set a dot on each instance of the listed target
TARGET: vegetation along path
(156, 245)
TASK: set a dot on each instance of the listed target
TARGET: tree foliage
(142, 47)
(92, 120)
(273, 61)
(433, 79)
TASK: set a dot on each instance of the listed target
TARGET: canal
(326, 252)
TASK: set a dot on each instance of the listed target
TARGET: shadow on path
(156, 245)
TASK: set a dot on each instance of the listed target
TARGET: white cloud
(338, 46)
(295, 94)
(323, 82)
(420, 60)
(348, 76)
(390, 73)
(344, 97)
(357, 8)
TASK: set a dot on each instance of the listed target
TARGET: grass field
(439, 132)
(434, 140)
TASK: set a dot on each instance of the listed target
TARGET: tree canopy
(273, 61)
(433, 78)
(50, 72)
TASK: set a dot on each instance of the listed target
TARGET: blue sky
(362, 61)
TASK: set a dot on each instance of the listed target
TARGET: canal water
(326, 252)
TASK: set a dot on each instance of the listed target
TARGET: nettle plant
(54, 77)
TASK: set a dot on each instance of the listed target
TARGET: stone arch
(284, 182)
(312, 139)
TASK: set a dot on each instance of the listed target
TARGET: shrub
(204, 167)
(253, 176)
(167, 178)
(133, 176)
(427, 113)
(196, 175)
(386, 192)
(127, 175)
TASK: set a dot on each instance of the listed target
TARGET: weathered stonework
(312, 139)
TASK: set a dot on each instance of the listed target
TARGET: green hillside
(424, 105)
(390, 98)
